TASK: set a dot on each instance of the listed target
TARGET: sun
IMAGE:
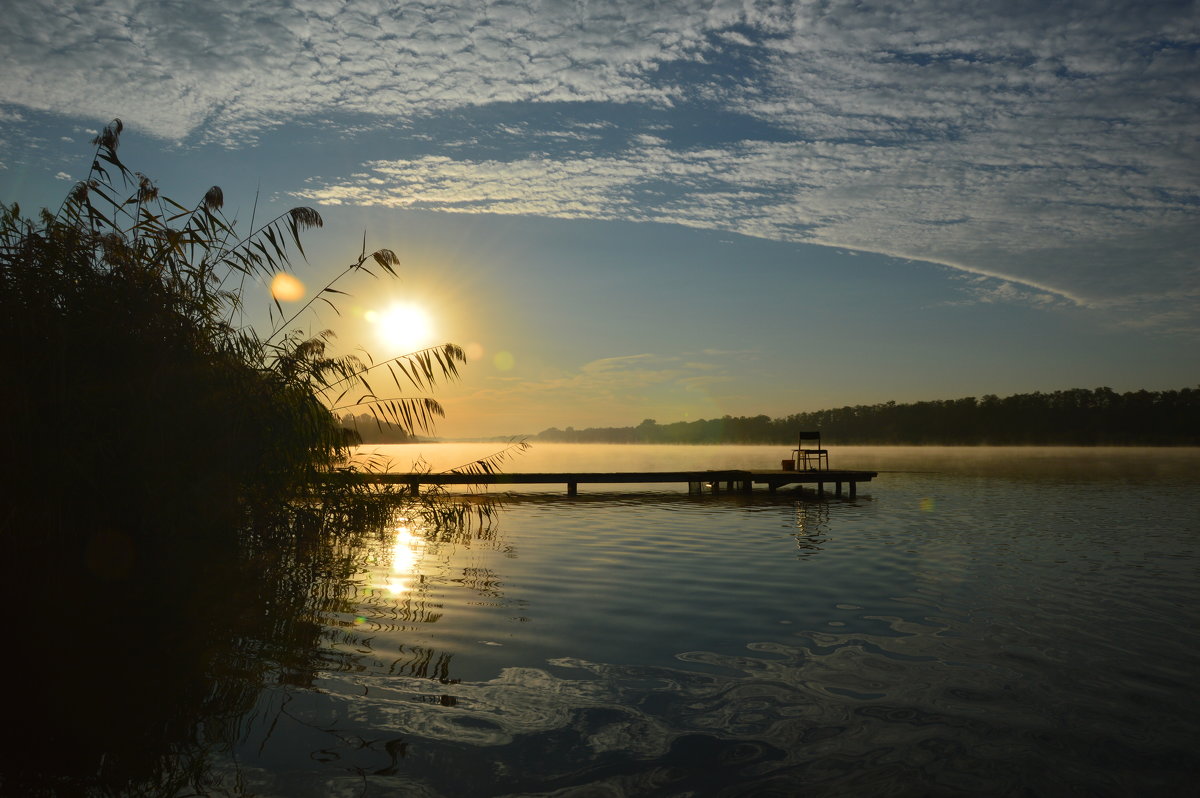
(406, 328)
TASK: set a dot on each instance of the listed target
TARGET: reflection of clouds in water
(780, 694)
(519, 701)
(916, 707)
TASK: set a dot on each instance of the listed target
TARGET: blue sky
(677, 210)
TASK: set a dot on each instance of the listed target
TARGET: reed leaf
(491, 464)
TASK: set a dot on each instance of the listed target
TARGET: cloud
(625, 363)
(1094, 237)
(231, 69)
(981, 289)
(1049, 146)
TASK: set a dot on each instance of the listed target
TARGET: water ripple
(967, 634)
(831, 714)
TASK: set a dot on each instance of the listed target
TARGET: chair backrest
(809, 436)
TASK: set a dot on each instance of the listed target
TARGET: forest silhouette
(1077, 417)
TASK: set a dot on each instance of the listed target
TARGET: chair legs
(812, 461)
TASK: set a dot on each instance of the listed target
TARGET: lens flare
(286, 288)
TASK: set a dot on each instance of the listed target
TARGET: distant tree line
(1080, 416)
(369, 429)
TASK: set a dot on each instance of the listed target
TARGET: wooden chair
(810, 457)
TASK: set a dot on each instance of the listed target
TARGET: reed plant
(176, 483)
(132, 387)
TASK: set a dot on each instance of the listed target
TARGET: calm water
(991, 622)
(976, 621)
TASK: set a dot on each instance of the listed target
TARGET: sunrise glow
(403, 327)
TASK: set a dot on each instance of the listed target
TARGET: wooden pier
(697, 481)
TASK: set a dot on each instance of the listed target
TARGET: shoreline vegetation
(165, 505)
(125, 304)
(1077, 417)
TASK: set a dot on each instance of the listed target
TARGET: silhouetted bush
(167, 503)
(116, 308)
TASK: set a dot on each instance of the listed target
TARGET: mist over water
(1056, 463)
(975, 622)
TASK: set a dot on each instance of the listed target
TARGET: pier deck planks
(739, 479)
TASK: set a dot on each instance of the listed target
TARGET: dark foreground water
(1013, 622)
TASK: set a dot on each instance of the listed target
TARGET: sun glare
(407, 549)
(406, 328)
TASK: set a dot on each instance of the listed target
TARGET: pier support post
(853, 489)
(820, 488)
(414, 489)
(837, 491)
(572, 488)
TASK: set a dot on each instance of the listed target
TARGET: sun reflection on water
(406, 552)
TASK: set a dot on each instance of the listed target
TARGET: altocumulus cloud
(233, 67)
(1050, 145)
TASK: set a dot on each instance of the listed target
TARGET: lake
(975, 622)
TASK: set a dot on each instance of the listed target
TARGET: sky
(673, 210)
